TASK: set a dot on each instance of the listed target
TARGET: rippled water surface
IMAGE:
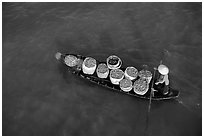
(40, 98)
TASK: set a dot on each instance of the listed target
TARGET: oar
(150, 101)
(152, 91)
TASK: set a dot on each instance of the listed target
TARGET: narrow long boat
(158, 93)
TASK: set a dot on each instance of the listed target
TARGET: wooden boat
(154, 92)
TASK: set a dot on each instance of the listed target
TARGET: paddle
(152, 91)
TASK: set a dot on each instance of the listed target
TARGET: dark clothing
(164, 88)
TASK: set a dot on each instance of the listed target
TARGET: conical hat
(163, 69)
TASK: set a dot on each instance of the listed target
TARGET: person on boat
(163, 77)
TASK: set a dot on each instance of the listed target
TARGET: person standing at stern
(163, 78)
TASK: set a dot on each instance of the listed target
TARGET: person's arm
(161, 80)
(166, 79)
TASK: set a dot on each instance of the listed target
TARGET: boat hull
(106, 82)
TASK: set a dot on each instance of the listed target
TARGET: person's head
(164, 70)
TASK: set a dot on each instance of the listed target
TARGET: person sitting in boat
(163, 77)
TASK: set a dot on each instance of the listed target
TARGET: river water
(39, 98)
